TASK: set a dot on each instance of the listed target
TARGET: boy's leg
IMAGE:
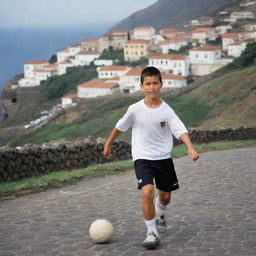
(161, 202)
(148, 208)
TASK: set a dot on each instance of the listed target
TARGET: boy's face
(151, 87)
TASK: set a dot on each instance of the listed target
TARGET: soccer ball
(101, 231)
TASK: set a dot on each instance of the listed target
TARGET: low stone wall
(225, 134)
(32, 160)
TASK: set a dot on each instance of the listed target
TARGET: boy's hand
(193, 154)
(106, 151)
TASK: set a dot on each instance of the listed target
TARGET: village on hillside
(208, 49)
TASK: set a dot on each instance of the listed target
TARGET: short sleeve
(175, 124)
(126, 121)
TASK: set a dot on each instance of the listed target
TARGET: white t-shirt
(152, 130)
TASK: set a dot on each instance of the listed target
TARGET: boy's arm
(107, 146)
(191, 151)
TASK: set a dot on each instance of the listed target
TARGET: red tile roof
(89, 53)
(169, 57)
(134, 72)
(229, 35)
(139, 41)
(172, 77)
(96, 83)
(206, 48)
(143, 28)
(35, 62)
(70, 96)
(113, 68)
(202, 30)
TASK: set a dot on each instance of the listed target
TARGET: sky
(35, 13)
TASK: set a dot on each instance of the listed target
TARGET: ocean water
(19, 45)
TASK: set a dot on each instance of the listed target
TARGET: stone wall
(32, 160)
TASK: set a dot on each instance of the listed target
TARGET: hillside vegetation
(228, 100)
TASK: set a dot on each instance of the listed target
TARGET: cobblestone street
(213, 213)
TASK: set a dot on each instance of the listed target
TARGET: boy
(153, 123)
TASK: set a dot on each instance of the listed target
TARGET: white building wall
(27, 82)
(174, 83)
(29, 69)
(177, 67)
(173, 46)
(204, 57)
(94, 92)
(130, 83)
(144, 34)
(111, 73)
(235, 50)
(85, 59)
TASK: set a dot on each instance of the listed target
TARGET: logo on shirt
(140, 180)
(162, 124)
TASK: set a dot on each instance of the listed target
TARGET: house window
(197, 56)
(206, 56)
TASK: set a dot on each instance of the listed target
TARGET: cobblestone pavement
(213, 213)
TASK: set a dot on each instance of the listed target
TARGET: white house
(236, 49)
(207, 54)
(101, 62)
(85, 58)
(176, 64)
(74, 49)
(63, 55)
(62, 67)
(30, 66)
(206, 59)
(173, 44)
(95, 88)
(169, 32)
(203, 34)
(111, 71)
(242, 15)
(173, 81)
(130, 82)
(250, 26)
(68, 100)
(45, 72)
(223, 29)
(227, 39)
(89, 44)
(144, 33)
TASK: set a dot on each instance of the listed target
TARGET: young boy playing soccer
(153, 124)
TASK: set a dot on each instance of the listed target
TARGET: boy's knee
(165, 197)
(148, 192)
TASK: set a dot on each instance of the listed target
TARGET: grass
(63, 178)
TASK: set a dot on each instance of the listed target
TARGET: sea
(21, 44)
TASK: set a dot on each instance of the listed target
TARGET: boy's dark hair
(150, 71)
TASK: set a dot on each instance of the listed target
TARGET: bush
(57, 86)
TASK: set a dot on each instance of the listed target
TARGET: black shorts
(162, 171)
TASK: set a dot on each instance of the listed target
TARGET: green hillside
(228, 100)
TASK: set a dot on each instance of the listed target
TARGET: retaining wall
(30, 160)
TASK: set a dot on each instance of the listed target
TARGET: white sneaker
(151, 241)
(161, 224)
